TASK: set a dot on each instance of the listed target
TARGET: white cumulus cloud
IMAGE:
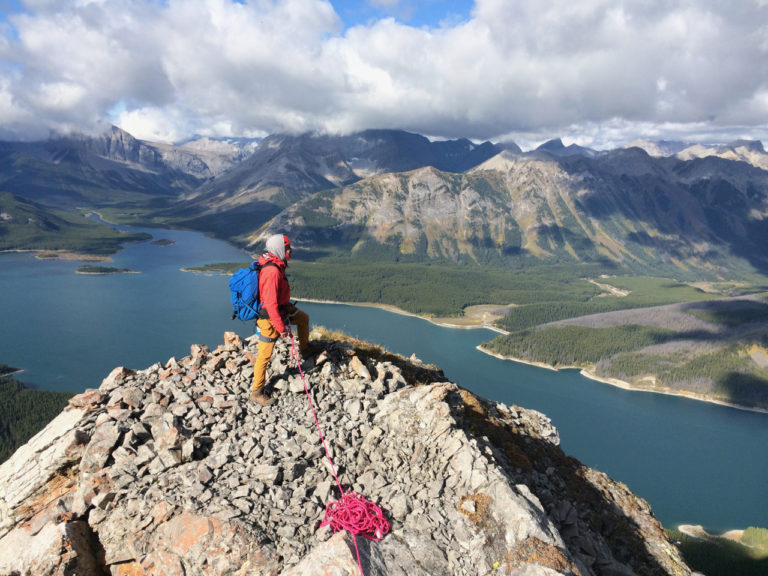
(597, 72)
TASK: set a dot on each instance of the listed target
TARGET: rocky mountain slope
(74, 171)
(625, 207)
(287, 168)
(171, 470)
(214, 155)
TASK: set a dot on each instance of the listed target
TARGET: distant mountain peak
(753, 145)
(552, 145)
(659, 148)
(557, 148)
(511, 147)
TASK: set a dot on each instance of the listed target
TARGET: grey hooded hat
(276, 245)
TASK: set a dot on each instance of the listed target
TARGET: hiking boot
(261, 398)
(310, 356)
(313, 347)
(307, 363)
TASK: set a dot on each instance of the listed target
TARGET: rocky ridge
(171, 470)
(201, 158)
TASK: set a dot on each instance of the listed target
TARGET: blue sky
(9, 7)
(599, 73)
(417, 13)
(432, 13)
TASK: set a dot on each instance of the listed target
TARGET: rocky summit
(173, 470)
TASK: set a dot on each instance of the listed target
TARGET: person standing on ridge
(276, 311)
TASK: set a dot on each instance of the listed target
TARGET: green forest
(543, 293)
(747, 556)
(435, 289)
(576, 345)
(24, 411)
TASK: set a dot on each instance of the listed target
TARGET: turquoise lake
(694, 462)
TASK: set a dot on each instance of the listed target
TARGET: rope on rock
(351, 512)
(356, 515)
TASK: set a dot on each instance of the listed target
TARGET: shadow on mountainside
(747, 389)
(689, 202)
(591, 511)
(732, 312)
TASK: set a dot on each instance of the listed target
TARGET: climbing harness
(351, 512)
(264, 315)
(263, 338)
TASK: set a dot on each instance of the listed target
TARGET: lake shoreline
(624, 385)
(698, 532)
(11, 374)
(443, 322)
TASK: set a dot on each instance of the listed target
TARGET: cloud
(596, 72)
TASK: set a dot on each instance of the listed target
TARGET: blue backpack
(244, 285)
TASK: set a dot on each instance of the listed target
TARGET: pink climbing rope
(351, 512)
(356, 515)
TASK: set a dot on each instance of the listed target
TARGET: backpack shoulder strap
(260, 267)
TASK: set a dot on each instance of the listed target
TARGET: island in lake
(88, 269)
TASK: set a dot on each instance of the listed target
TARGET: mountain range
(687, 210)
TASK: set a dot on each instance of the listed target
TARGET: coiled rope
(356, 515)
(351, 512)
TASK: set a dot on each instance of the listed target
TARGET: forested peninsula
(714, 350)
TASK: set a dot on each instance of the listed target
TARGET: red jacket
(274, 290)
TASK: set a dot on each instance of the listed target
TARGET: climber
(277, 311)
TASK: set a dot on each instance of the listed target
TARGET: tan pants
(267, 330)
